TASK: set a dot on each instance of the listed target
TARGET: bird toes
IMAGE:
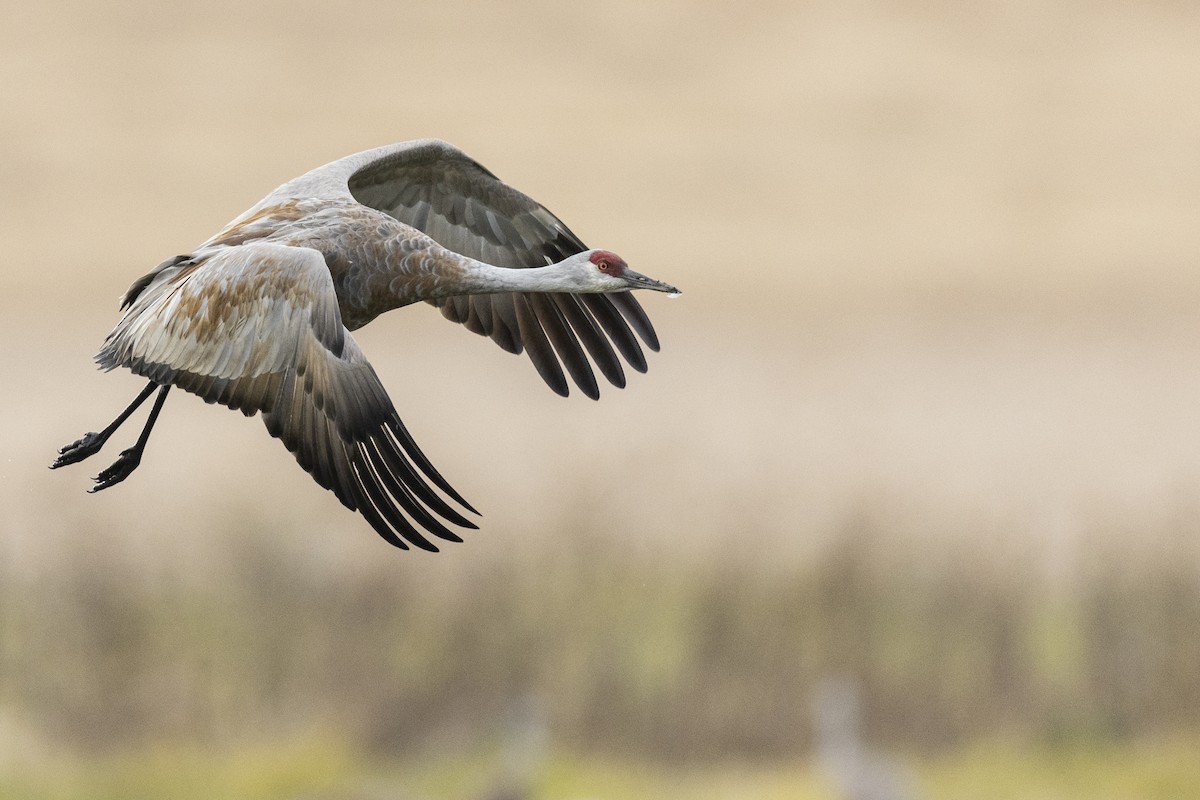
(121, 469)
(78, 450)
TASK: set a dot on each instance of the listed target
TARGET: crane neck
(478, 277)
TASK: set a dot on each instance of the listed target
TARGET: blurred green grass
(313, 768)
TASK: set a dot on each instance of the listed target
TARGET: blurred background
(910, 491)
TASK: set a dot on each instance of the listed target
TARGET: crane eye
(602, 265)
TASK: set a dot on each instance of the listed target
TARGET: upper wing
(257, 328)
(442, 192)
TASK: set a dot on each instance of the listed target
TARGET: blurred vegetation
(315, 768)
(654, 657)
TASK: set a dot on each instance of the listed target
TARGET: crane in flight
(258, 318)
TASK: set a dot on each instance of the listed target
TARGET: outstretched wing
(442, 192)
(257, 328)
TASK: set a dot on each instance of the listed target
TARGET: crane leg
(129, 459)
(91, 443)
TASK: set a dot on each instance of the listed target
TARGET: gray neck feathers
(480, 278)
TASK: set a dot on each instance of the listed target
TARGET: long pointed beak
(640, 281)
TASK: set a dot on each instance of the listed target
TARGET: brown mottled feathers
(439, 190)
(257, 328)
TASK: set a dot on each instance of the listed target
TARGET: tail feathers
(141, 283)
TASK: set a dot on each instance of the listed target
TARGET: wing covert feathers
(257, 328)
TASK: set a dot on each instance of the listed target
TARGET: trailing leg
(129, 459)
(91, 443)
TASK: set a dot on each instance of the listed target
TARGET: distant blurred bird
(525, 740)
(857, 771)
(258, 317)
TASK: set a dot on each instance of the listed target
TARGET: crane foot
(121, 469)
(78, 450)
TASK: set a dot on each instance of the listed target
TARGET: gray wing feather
(458, 203)
(257, 328)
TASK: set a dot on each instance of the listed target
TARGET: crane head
(612, 274)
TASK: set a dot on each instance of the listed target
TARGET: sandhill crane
(258, 318)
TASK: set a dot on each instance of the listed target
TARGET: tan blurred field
(926, 413)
